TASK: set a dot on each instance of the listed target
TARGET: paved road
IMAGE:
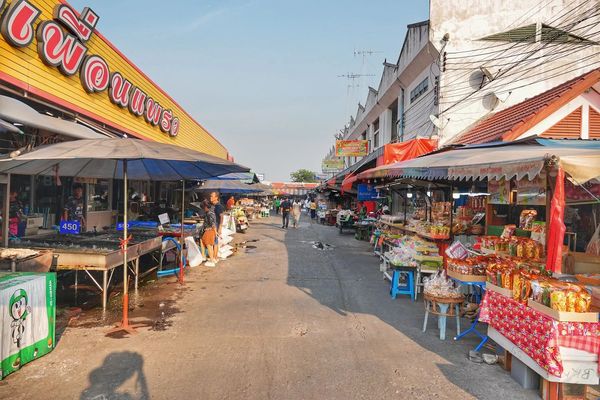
(282, 321)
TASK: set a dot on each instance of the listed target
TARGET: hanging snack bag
(508, 231)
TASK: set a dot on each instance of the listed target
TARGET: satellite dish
(480, 77)
(487, 73)
(490, 101)
(476, 80)
(436, 121)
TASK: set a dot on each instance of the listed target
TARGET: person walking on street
(285, 213)
(313, 209)
(296, 211)
(277, 205)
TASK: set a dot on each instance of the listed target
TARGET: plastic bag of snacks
(440, 286)
(593, 247)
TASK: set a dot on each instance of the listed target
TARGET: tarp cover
(229, 186)
(394, 152)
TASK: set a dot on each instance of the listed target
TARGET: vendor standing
(15, 213)
(230, 203)
(73, 210)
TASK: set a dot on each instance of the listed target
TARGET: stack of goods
(531, 282)
(403, 252)
(441, 287)
(469, 266)
(514, 246)
(412, 251)
(439, 231)
(468, 217)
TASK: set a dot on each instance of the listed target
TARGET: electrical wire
(563, 16)
(499, 75)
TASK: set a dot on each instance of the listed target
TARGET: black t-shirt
(219, 209)
(285, 206)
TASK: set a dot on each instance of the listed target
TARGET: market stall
(117, 159)
(531, 265)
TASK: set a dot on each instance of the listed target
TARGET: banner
(367, 192)
(532, 192)
(351, 148)
(27, 314)
(499, 190)
(332, 165)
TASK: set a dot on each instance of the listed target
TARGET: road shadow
(120, 377)
(348, 281)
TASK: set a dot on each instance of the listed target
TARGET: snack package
(526, 219)
(508, 231)
(457, 250)
(538, 232)
(558, 300)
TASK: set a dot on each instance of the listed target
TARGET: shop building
(61, 79)
(469, 61)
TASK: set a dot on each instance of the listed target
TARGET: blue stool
(408, 288)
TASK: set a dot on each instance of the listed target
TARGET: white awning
(8, 127)
(16, 111)
(580, 160)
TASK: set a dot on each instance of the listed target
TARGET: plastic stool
(408, 288)
(443, 309)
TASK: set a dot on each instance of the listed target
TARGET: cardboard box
(562, 315)
(504, 292)
(466, 278)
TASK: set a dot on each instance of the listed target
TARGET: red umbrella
(556, 229)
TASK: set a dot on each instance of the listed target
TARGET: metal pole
(125, 222)
(5, 223)
(182, 239)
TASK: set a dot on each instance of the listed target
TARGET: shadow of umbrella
(115, 371)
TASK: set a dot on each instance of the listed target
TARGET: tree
(303, 175)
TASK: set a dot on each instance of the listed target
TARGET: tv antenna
(351, 77)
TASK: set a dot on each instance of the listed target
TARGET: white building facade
(472, 59)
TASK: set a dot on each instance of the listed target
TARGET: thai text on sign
(351, 148)
(61, 44)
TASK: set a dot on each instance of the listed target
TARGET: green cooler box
(27, 318)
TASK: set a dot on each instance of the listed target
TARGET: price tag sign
(164, 219)
(69, 227)
(120, 226)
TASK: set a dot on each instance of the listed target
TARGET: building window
(376, 134)
(419, 90)
(394, 112)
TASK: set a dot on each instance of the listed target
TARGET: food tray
(466, 278)
(563, 315)
(588, 280)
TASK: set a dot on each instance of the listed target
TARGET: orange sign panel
(50, 51)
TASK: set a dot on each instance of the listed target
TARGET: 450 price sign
(69, 227)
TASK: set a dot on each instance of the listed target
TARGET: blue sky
(261, 75)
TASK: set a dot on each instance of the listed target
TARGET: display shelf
(414, 231)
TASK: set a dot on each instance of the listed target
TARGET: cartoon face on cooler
(18, 305)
